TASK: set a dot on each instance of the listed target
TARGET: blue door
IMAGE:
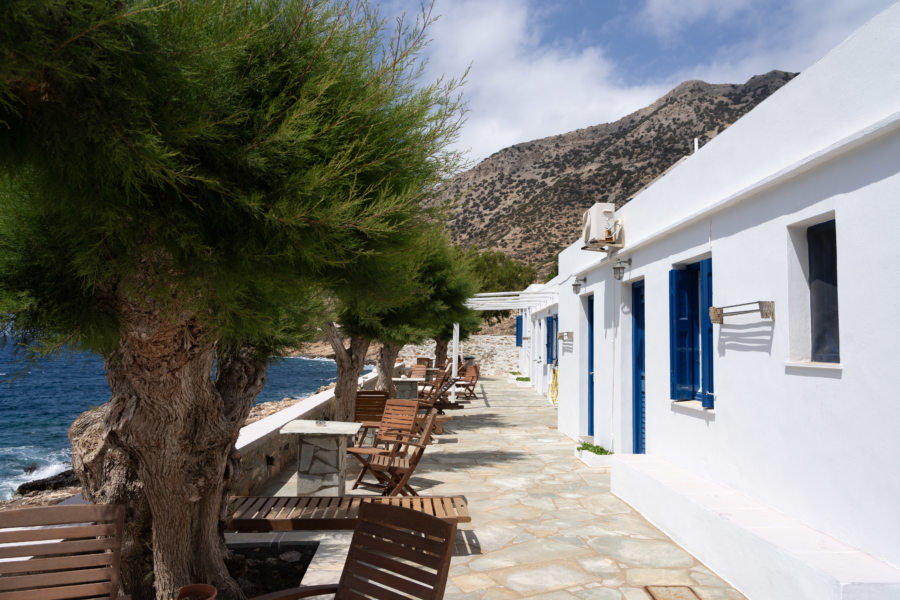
(590, 365)
(638, 362)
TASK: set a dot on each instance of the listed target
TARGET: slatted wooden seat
(268, 513)
(61, 552)
(394, 553)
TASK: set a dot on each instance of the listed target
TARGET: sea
(40, 402)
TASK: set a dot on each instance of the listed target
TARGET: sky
(545, 67)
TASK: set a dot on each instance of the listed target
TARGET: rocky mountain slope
(527, 200)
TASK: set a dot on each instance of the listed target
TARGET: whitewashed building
(767, 443)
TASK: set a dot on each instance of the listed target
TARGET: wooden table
(262, 513)
(317, 440)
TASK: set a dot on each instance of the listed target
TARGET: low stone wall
(265, 452)
(495, 354)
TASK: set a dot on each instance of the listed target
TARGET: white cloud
(667, 17)
(789, 35)
(521, 88)
(517, 89)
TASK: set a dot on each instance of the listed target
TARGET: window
(552, 329)
(519, 331)
(823, 297)
(690, 333)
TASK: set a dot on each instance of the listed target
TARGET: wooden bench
(61, 552)
(291, 513)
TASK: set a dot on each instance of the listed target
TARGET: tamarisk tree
(177, 181)
(446, 284)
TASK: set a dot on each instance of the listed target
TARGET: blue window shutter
(552, 330)
(706, 332)
(519, 331)
(548, 326)
(683, 350)
(555, 337)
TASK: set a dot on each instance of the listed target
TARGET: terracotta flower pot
(196, 591)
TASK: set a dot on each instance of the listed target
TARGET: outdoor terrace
(544, 525)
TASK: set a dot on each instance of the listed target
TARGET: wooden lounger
(290, 513)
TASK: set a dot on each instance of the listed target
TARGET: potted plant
(593, 455)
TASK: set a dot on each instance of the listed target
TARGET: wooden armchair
(399, 418)
(468, 382)
(393, 470)
(394, 553)
(61, 552)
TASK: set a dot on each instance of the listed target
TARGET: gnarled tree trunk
(440, 352)
(387, 359)
(350, 362)
(108, 477)
(176, 427)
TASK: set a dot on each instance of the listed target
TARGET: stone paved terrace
(544, 525)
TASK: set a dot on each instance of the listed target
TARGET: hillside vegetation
(527, 200)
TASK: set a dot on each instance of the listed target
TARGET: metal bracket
(765, 308)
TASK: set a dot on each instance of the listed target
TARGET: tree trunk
(108, 477)
(387, 358)
(440, 352)
(350, 362)
(177, 427)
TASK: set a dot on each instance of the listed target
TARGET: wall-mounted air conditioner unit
(601, 230)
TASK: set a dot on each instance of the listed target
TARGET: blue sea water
(37, 408)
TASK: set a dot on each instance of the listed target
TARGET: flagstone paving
(544, 525)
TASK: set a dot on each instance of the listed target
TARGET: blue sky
(544, 67)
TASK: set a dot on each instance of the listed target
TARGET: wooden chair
(418, 371)
(399, 417)
(468, 382)
(392, 471)
(61, 552)
(369, 410)
(394, 553)
(423, 361)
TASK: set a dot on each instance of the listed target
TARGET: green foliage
(554, 270)
(498, 273)
(438, 283)
(588, 447)
(523, 378)
(221, 159)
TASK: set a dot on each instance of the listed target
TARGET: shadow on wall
(747, 337)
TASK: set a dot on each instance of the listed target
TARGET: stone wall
(497, 355)
(265, 452)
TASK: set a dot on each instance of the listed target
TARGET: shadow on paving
(464, 422)
(467, 459)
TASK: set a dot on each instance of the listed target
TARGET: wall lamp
(576, 285)
(619, 268)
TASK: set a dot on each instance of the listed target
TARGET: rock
(291, 557)
(62, 480)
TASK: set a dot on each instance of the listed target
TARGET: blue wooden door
(638, 362)
(590, 364)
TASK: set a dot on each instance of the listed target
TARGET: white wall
(817, 444)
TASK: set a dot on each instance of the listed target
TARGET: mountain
(527, 200)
